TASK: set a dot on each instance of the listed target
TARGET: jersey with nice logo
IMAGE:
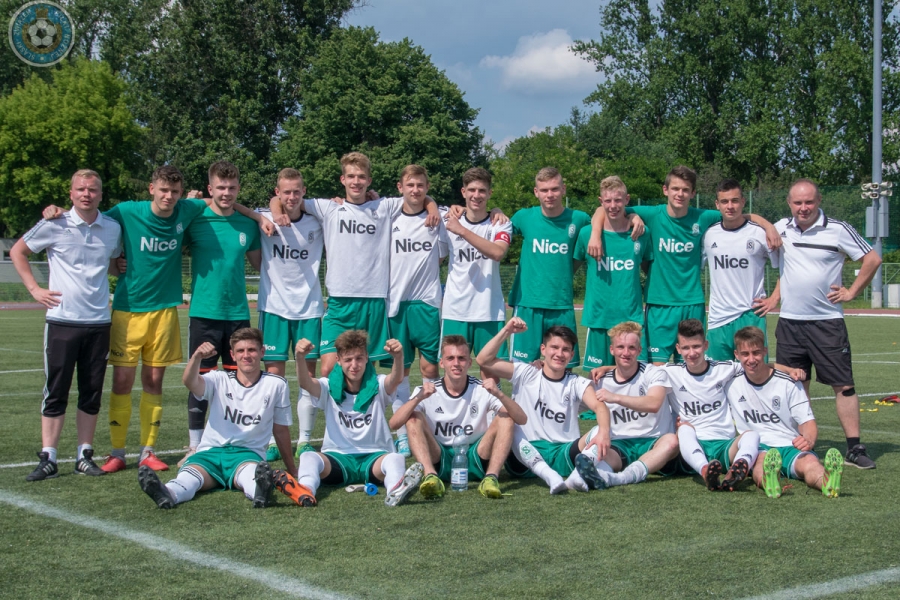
(243, 416)
(349, 431)
(737, 269)
(552, 406)
(700, 399)
(473, 293)
(774, 409)
(613, 292)
(544, 276)
(416, 253)
(289, 279)
(358, 245)
(469, 413)
(624, 422)
(674, 278)
(152, 246)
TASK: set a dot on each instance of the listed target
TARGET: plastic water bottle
(459, 468)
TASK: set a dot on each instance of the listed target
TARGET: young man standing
(775, 406)
(613, 293)
(542, 290)
(459, 404)
(79, 245)
(246, 407)
(357, 446)
(551, 396)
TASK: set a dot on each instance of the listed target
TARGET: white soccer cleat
(406, 487)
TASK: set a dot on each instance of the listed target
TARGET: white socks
(245, 479)
(79, 455)
(636, 472)
(51, 453)
(186, 485)
(194, 435)
(690, 448)
(393, 466)
(748, 447)
(306, 416)
(531, 458)
(576, 482)
(309, 470)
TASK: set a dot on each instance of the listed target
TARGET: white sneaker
(406, 487)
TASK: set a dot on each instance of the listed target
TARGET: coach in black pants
(811, 329)
(80, 245)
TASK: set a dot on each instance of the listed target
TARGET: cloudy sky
(509, 57)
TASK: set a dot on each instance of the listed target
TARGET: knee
(845, 391)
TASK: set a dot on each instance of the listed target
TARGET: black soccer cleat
(265, 485)
(153, 487)
(47, 469)
(86, 465)
(737, 473)
(713, 472)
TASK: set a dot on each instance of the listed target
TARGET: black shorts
(823, 344)
(65, 348)
(218, 333)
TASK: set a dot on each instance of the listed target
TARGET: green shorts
(632, 449)
(789, 456)
(476, 334)
(662, 328)
(355, 468)
(526, 346)
(556, 454)
(416, 325)
(596, 350)
(715, 450)
(222, 463)
(721, 338)
(368, 314)
(476, 464)
(280, 335)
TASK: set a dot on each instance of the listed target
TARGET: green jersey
(152, 246)
(544, 276)
(674, 278)
(613, 293)
(218, 245)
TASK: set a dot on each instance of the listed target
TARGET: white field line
(18, 350)
(177, 551)
(878, 394)
(865, 432)
(843, 585)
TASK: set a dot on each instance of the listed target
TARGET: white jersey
(627, 423)
(469, 413)
(473, 293)
(416, 253)
(737, 269)
(700, 399)
(289, 276)
(243, 416)
(349, 431)
(552, 406)
(78, 254)
(774, 409)
(811, 262)
(358, 245)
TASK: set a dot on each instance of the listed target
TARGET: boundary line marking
(864, 431)
(177, 551)
(836, 586)
(881, 394)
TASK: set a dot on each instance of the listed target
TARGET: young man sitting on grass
(246, 407)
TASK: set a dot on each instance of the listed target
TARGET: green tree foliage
(48, 131)
(386, 100)
(758, 88)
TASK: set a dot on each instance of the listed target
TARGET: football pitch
(82, 537)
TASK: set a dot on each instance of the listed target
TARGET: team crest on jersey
(776, 403)
(572, 230)
(179, 228)
(266, 401)
(641, 391)
(473, 409)
(637, 247)
(751, 245)
(695, 230)
(311, 237)
(243, 239)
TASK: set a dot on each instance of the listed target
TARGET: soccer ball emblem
(41, 33)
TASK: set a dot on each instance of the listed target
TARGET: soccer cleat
(585, 467)
(86, 465)
(431, 487)
(150, 460)
(153, 487)
(406, 486)
(272, 453)
(265, 485)
(834, 468)
(402, 445)
(771, 473)
(858, 457)
(190, 452)
(489, 487)
(287, 485)
(736, 474)
(113, 464)
(301, 448)
(46, 469)
(713, 472)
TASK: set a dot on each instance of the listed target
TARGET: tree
(50, 130)
(756, 87)
(386, 100)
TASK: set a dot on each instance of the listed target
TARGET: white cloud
(544, 63)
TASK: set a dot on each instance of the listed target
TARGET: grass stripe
(179, 552)
(837, 586)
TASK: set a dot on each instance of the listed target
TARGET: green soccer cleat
(834, 468)
(272, 453)
(301, 448)
(771, 473)
(489, 487)
(432, 487)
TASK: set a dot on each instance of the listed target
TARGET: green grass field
(80, 537)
